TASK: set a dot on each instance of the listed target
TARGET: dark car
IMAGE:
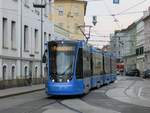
(146, 73)
(133, 72)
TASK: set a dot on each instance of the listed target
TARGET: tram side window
(79, 65)
(107, 65)
(86, 64)
(97, 65)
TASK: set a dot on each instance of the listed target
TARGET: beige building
(69, 14)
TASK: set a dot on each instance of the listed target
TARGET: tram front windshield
(61, 62)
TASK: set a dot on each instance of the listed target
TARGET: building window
(76, 10)
(45, 37)
(36, 40)
(4, 72)
(45, 71)
(119, 53)
(5, 33)
(60, 11)
(26, 3)
(36, 71)
(37, 9)
(26, 72)
(139, 51)
(13, 34)
(49, 36)
(45, 11)
(13, 72)
(26, 37)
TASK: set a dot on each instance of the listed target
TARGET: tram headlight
(68, 80)
(53, 80)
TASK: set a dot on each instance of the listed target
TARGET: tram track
(59, 101)
(68, 107)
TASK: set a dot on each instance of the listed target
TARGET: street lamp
(41, 6)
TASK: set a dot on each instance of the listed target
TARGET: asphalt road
(127, 95)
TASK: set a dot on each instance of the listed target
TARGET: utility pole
(82, 29)
(21, 39)
(42, 5)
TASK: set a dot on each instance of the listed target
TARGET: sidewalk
(20, 90)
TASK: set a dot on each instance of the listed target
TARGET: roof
(147, 17)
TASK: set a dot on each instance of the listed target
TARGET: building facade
(140, 45)
(69, 15)
(130, 47)
(147, 41)
(20, 41)
(123, 44)
(117, 41)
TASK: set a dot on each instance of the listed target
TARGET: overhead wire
(139, 3)
(112, 15)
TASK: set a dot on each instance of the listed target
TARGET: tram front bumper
(63, 89)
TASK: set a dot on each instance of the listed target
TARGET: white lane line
(139, 92)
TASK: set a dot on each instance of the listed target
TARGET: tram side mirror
(44, 57)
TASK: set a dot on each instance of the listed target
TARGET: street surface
(126, 95)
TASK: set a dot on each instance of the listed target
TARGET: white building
(117, 42)
(140, 40)
(147, 41)
(20, 40)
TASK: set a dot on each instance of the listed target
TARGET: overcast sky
(126, 12)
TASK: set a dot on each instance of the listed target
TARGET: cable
(113, 16)
(139, 3)
(127, 13)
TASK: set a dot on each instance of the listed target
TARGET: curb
(20, 93)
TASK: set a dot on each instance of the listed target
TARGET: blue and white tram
(75, 67)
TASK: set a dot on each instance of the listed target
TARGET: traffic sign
(116, 1)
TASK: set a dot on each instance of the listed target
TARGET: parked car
(133, 72)
(146, 73)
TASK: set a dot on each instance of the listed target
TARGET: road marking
(139, 92)
(85, 107)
